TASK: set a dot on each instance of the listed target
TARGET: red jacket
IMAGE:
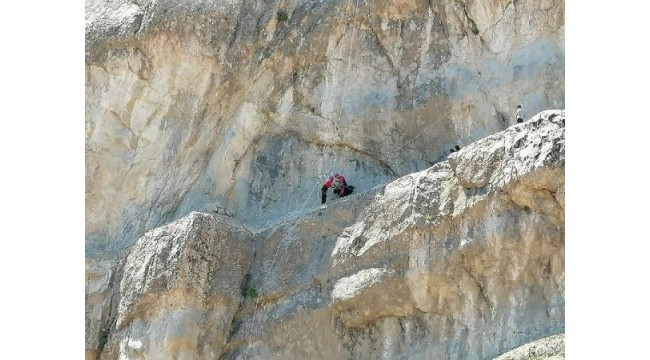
(328, 183)
(341, 179)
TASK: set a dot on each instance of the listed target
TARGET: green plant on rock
(249, 292)
(103, 339)
(282, 15)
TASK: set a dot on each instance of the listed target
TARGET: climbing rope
(329, 168)
(328, 163)
(271, 267)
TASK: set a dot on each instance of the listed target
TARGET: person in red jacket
(341, 185)
(326, 186)
(342, 188)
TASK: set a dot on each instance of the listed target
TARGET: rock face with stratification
(550, 348)
(243, 107)
(195, 104)
(179, 289)
(463, 260)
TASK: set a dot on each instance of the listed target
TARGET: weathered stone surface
(362, 297)
(190, 103)
(531, 150)
(180, 288)
(101, 274)
(430, 266)
(227, 106)
(424, 267)
(550, 348)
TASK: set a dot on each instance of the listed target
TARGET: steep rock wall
(176, 293)
(464, 260)
(224, 103)
(550, 348)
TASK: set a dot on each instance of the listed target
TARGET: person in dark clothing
(326, 186)
(340, 184)
(519, 115)
(342, 189)
(346, 191)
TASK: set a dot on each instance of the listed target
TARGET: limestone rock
(550, 348)
(190, 103)
(362, 297)
(483, 164)
(229, 108)
(423, 267)
(101, 274)
(180, 289)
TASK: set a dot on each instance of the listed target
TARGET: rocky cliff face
(248, 104)
(245, 106)
(177, 292)
(463, 260)
(550, 348)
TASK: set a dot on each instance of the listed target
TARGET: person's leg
(323, 197)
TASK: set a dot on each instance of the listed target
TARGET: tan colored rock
(100, 280)
(210, 102)
(223, 107)
(420, 268)
(362, 297)
(180, 289)
(550, 348)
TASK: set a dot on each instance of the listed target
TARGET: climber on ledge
(323, 190)
(342, 188)
(519, 115)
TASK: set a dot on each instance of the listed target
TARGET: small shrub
(103, 339)
(282, 15)
(249, 292)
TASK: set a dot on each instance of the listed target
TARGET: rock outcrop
(224, 103)
(463, 260)
(550, 348)
(179, 289)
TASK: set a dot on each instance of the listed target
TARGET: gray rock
(423, 267)
(191, 103)
(550, 348)
(180, 288)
